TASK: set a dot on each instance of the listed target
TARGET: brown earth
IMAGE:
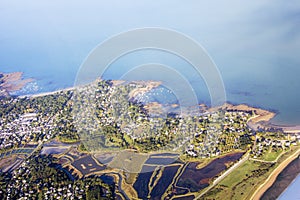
(12, 82)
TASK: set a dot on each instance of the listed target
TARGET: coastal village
(78, 141)
(25, 130)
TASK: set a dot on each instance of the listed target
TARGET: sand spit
(261, 117)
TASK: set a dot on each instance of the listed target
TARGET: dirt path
(272, 177)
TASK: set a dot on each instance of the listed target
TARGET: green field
(272, 155)
(242, 183)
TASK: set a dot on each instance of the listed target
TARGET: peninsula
(102, 141)
(10, 82)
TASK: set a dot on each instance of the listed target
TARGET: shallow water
(269, 87)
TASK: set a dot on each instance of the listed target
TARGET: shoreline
(11, 82)
(45, 93)
(261, 115)
(262, 118)
(292, 182)
(273, 176)
(287, 128)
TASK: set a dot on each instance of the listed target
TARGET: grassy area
(67, 139)
(202, 161)
(113, 141)
(288, 153)
(128, 139)
(272, 155)
(242, 183)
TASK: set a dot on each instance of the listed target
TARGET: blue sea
(292, 192)
(254, 44)
(274, 87)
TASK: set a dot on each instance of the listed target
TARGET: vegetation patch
(196, 179)
(242, 183)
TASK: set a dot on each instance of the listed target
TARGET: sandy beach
(47, 93)
(272, 177)
(291, 129)
(260, 114)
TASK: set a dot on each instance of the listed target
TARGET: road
(220, 178)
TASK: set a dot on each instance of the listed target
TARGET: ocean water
(274, 87)
(255, 45)
(292, 192)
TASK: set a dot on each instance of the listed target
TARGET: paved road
(220, 178)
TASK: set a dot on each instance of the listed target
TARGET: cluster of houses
(66, 192)
(234, 125)
(90, 100)
(114, 108)
(54, 190)
(23, 130)
(263, 144)
(231, 124)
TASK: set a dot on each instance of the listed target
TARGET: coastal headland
(10, 82)
(256, 118)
